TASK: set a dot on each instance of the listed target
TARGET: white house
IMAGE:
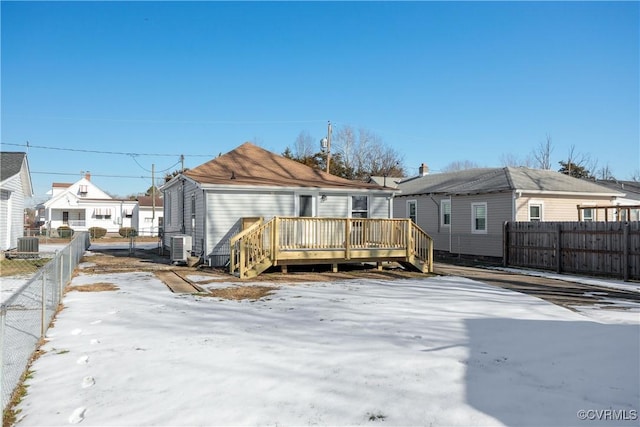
(83, 205)
(15, 186)
(210, 201)
(148, 215)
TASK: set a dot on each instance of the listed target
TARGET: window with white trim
(359, 206)
(412, 210)
(445, 213)
(535, 211)
(587, 214)
(478, 217)
(83, 190)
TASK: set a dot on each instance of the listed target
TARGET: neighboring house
(83, 205)
(464, 212)
(210, 201)
(148, 215)
(386, 181)
(631, 198)
(15, 186)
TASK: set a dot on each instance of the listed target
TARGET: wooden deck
(287, 241)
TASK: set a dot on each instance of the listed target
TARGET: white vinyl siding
(225, 208)
(379, 206)
(11, 212)
(333, 206)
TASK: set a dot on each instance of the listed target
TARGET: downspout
(204, 224)
(516, 194)
(182, 228)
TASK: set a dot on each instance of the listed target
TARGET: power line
(159, 171)
(93, 174)
(156, 121)
(78, 150)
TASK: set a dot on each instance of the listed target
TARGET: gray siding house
(210, 201)
(15, 187)
(464, 212)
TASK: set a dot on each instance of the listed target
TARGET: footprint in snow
(76, 331)
(77, 415)
(95, 322)
(83, 360)
(88, 382)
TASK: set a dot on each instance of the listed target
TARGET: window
(359, 207)
(587, 214)
(412, 211)
(445, 212)
(535, 212)
(100, 213)
(128, 213)
(83, 189)
(305, 207)
(478, 217)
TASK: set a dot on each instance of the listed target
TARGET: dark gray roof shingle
(492, 180)
(10, 164)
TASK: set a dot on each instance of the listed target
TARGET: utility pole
(328, 145)
(181, 163)
(153, 194)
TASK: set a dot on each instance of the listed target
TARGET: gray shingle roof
(630, 188)
(249, 164)
(492, 180)
(10, 164)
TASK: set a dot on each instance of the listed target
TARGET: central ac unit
(180, 248)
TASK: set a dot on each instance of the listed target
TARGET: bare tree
(514, 161)
(365, 154)
(635, 176)
(459, 165)
(304, 145)
(542, 154)
(579, 161)
(605, 173)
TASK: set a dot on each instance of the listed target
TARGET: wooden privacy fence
(592, 248)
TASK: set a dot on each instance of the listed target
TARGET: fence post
(558, 248)
(43, 313)
(59, 270)
(347, 238)
(625, 251)
(3, 315)
(505, 244)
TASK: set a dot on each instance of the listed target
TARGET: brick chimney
(423, 170)
(87, 176)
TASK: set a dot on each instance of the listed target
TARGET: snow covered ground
(439, 351)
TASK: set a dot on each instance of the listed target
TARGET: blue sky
(437, 81)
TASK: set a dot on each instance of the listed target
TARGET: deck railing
(285, 240)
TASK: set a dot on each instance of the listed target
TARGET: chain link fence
(38, 281)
